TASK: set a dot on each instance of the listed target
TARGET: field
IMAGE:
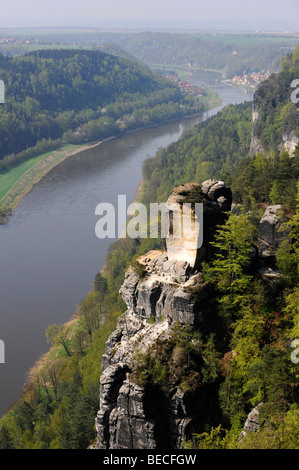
(15, 183)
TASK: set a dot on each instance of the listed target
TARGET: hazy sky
(256, 14)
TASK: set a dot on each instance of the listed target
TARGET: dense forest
(72, 96)
(277, 114)
(251, 356)
(233, 57)
(233, 54)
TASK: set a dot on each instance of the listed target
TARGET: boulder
(270, 234)
(252, 422)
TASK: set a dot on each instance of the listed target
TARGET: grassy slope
(15, 183)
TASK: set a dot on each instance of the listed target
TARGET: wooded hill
(251, 357)
(78, 96)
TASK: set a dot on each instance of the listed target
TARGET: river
(49, 254)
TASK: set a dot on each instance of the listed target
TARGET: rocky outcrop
(255, 111)
(290, 140)
(191, 242)
(253, 421)
(289, 143)
(255, 145)
(131, 416)
(160, 289)
(271, 234)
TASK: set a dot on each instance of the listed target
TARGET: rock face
(270, 237)
(255, 145)
(290, 142)
(160, 289)
(132, 417)
(270, 234)
(253, 421)
(190, 242)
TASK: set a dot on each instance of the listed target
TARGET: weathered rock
(158, 292)
(270, 234)
(252, 422)
(165, 291)
(272, 280)
(131, 417)
(191, 226)
(111, 381)
(290, 140)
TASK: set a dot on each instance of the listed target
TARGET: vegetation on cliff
(251, 351)
(277, 114)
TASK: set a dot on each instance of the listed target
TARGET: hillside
(197, 356)
(50, 94)
(233, 55)
(276, 117)
(58, 102)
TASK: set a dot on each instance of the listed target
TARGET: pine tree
(233, 242)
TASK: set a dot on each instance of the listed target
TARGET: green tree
(5, 439)
(100, 285)
(288, 253)
(59, 334)
(233, 242)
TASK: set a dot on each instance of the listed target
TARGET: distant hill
(52, 92)
(233, 54)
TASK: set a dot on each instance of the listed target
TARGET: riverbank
(20, 180)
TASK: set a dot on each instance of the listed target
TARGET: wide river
(49, 254)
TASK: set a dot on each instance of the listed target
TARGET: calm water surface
(49, 254)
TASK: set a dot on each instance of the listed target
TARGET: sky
(228, 14)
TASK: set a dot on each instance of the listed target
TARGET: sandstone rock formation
(270, 234)
(131, 416)
(191, 244)
(289, 142)
(161, 289)
(253, 422)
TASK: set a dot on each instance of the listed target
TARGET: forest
(232, 55)
(277, 113)
(55, 97)
(248, 360)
